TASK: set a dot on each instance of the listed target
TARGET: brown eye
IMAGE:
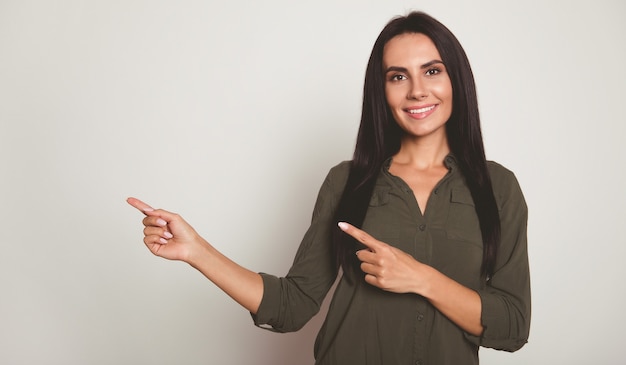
(433, 72)
(398, 78)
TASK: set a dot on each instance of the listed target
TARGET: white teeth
(421, 110)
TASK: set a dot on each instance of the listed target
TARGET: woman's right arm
(169, 236)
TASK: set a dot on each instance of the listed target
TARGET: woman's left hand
(385, 266)
(396, 271)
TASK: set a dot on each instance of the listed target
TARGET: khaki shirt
(366, 325)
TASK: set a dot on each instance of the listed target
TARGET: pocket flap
(461, 196)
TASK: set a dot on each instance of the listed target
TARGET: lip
(422, 111)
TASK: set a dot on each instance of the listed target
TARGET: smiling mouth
(421, 110)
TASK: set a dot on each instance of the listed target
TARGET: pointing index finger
(360, 235)
(139, 205)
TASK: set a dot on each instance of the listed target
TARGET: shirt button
(418, 362)
(422, 227)
(420, 317)
(436, 191)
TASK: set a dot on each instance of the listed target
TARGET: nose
(418, 90)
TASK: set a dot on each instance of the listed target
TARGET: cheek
(393, 97)
(443, 91)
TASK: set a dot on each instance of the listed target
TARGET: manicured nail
(148, 210)
(168, 235)
(163, 240)
(161, 222)
(343, 225)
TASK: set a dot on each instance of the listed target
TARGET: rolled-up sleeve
(506, 305)
(289, 302)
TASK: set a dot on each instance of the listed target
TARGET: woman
(439, 266)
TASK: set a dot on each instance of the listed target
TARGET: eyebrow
(403, 69)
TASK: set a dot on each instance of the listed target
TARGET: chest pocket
(381, 221)
(462, 223)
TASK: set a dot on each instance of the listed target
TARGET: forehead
(409, 48)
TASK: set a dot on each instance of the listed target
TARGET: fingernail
(168, 235)
(148, 210)
(161, 222)
(163, 240)
(343, 225)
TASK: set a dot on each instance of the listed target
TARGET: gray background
(231, 113)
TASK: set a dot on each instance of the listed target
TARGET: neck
(422, 152)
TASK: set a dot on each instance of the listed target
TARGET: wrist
(196, 252)
(426, 275)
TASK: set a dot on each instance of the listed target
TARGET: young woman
(439, 265)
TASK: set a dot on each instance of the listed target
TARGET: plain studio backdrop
(231, 114)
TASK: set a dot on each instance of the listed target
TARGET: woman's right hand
(167, 234)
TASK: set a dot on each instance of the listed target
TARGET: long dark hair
(379, 138)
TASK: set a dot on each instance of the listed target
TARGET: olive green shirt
(366, 325)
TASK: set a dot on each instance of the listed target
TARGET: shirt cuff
(268, 312)
(496, 326)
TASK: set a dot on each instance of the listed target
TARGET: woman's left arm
(505, 299)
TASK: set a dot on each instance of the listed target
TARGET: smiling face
(417, 86)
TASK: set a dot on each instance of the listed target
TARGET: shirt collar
(450, 162)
